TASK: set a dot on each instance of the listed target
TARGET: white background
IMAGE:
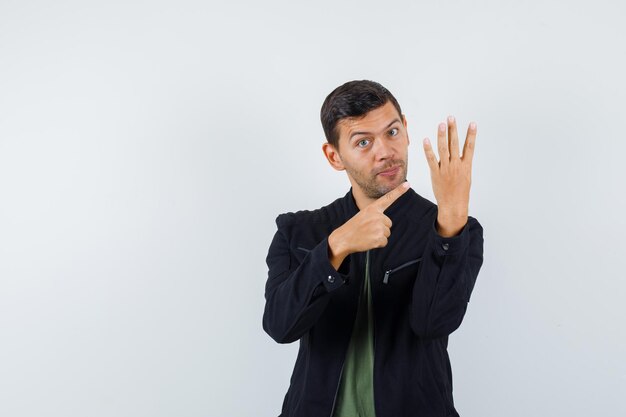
(146, 148)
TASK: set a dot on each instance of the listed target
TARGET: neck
(360, 198)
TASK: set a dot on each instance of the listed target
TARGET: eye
(394, 131)
(361, 141)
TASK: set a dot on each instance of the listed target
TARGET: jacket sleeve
(296, 293)
(445, 280)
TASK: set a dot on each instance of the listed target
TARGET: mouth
(390, 172)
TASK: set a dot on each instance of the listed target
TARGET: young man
(373, 283)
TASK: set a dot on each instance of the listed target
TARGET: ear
(334, 159)
(408, 141)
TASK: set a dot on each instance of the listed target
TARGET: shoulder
(323, 215)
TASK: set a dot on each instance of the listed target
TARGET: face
(373, 150)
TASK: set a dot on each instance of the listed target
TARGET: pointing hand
(369, 228)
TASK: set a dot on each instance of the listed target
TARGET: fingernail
(426, 141)
(442, 127)
(473, 126)
(451, 119)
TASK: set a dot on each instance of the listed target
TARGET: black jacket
(421, 283)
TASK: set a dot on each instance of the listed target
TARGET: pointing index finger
(385, 201)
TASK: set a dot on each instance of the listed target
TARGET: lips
(390, 171)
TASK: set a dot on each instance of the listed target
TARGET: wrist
(450, 226)
(335, 247)
(452, 212)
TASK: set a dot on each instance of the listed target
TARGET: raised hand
(369, 228)
(451, 176)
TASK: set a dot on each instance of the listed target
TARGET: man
(373, 283)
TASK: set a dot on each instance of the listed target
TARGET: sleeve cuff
(330, 277)
(445, 246)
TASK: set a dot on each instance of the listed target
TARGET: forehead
(374, 121)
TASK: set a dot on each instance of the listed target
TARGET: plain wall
(147, 147)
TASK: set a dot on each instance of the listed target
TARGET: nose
(383, 149)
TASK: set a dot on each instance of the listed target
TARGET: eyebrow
(367, 133)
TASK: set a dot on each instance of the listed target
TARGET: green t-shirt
(356, 390)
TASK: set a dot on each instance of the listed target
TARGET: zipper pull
(386, 277)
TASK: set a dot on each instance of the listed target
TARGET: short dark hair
(352, 99)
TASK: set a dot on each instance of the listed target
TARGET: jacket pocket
(398, 268)
(303, 249)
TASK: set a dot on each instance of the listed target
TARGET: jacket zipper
(332, 410)
(373, 337)
(386, 277)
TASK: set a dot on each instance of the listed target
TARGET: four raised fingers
(448, 147)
